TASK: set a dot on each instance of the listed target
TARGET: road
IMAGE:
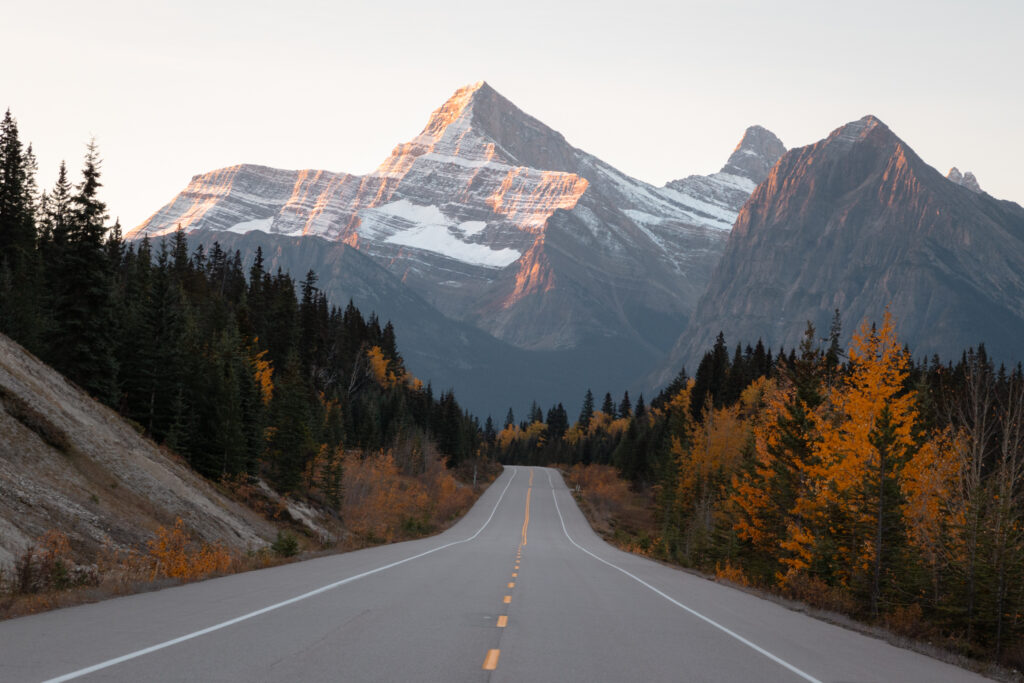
(521, 589)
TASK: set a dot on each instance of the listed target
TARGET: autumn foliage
(383, 504)
(173, 554)
(860, 481)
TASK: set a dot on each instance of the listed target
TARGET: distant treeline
(238, 370)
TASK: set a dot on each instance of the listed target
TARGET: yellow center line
(503, 621)
(511, 584)
(526, 519)
(508, 599)
(514, 575)
(491, 660)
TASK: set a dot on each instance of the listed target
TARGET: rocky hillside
(858, 222)
(68, 463)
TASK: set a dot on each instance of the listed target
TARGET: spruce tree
(608, 406)
(625, 407)
(83, 347)
(20, 305)
(587, 412)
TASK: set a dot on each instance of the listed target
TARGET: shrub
(44, 566)
(175, 556)
(285, 545)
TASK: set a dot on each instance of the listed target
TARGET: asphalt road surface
(520, 589)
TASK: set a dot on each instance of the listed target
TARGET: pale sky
(658, 89)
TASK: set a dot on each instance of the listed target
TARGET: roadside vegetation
(860, 482)
(381, 504)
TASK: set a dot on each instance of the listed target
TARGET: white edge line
(230, 622)
(675, 602)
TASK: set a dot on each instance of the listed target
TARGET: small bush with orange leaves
(725, 571)
(383, 504)
(47, 565)
(602, 487)
(175, 555)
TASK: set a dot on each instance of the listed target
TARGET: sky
(659, 90)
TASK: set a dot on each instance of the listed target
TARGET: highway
(520, 589)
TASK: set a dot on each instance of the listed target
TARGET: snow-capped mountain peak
(720, 196)
(494, 217)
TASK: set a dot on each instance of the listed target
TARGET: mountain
(966, 179)
(69, 463)
(858, 222)
(496, 222)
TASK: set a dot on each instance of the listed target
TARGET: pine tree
(83, 347)
(17, 220)
(587, 412)
(625, 407)
(608, 406)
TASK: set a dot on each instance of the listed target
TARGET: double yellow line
(526, 520)
(491, 660)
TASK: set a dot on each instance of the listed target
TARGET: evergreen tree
(608, 406)
(558, 422)
(710, 382)
(625, 407)
(20, 305)
(641, 409)
(17, 221)
(83, 347)
(587, 412)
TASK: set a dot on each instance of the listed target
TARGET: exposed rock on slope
(748, 165)
(69, 463)
(857, 222)
(966, 179)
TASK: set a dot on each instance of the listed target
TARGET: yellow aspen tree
(716, 447)
(928, 481)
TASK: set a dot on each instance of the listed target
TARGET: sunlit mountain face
(496, 222)
(858, 222)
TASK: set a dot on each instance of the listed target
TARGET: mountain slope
(495, 220)
(68, 463)
(488, 374)
(858, 222)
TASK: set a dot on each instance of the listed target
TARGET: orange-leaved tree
(867, 437)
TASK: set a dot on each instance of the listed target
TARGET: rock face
(858, 222)
(966, 179)
(69, 463)
(498, 223)
(725, 192)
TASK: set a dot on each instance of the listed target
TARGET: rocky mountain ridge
(858, 222)
(965, 179)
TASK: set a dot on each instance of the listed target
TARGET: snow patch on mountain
(260, 224)
(428, 229)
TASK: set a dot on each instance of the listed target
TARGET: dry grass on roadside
(620, 515)
(46, 576)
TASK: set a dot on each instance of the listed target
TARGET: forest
(239, 370)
